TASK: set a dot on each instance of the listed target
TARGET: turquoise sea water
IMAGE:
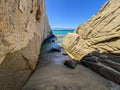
(60, 34)
(61, 31)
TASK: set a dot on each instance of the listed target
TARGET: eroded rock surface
(100, 34)
(23, 27)
(107, 65)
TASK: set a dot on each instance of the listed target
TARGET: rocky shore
(52, 74)
(24, 28)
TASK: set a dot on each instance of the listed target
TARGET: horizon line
(62, 28)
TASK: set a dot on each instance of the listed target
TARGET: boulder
(23, 28)
(71, 63)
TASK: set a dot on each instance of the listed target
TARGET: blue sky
(71, 13)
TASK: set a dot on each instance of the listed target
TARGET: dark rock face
(106, 64)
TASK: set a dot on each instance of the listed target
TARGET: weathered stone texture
(100, 33)
(107, 65)
(23, 27)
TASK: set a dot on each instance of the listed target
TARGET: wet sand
(51, 74)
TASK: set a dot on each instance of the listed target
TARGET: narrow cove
(52, 74)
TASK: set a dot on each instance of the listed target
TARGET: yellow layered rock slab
(101, 33)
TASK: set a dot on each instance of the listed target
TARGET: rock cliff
(23, 27)
(100, 33)
(97, 42)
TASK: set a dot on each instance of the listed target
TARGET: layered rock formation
(102, 34)
(23, 27)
